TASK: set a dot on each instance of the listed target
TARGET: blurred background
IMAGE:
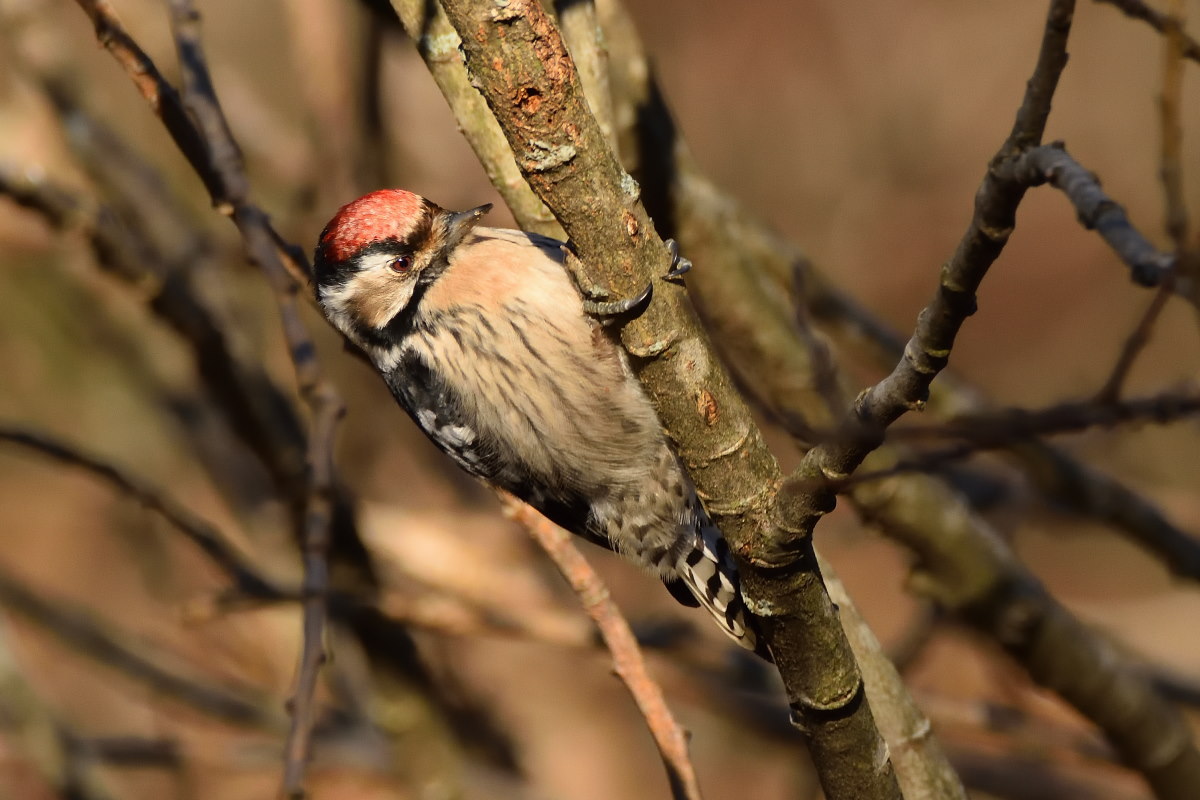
(859, 130)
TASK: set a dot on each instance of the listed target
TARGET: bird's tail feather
(708, 570)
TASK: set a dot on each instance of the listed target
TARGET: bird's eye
(400, 264)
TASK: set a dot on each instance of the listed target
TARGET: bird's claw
(613, 309)
(679, 265)
(610, 310)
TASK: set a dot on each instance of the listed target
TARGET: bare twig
(324, 403)
(1063, 479)
(77, 628)
(166, 103)
(1052, 164)
(988, 430)
(1178, 552)
(1133, 345)
(1171, 170)
(928, 350)
(1137, 9)
(627, 657)
(203, 535)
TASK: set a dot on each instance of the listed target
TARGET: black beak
(459, 223)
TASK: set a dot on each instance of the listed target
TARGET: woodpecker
(486, 342)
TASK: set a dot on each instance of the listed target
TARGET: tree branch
(922, 767)
(1053, 165)
(516, 58)
(928, 350)
(167, 105)
(326, 407)
(78, 629)
(992, 429)
(203, 535)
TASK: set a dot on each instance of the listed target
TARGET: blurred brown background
(859, 129)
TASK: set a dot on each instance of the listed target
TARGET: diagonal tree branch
(627, 657)
(203, 535)
(517, 60)
(167, 104)
(81, 631)
(928, 350)
(1097, 211)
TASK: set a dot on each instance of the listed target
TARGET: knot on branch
(794, 511)
(806, 712)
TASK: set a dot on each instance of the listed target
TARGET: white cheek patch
(334, 301)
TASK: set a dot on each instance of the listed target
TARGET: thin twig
(988, 430)
(1133, 345)
(166, 103)
(627, 657)
(83, 632)
(1137, 9)
(1176, 224)
(224, 159)
(201, 533)
(325, 405)
(1059, 476)
(1052, 164)
(928, 350)
(1180, 552)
